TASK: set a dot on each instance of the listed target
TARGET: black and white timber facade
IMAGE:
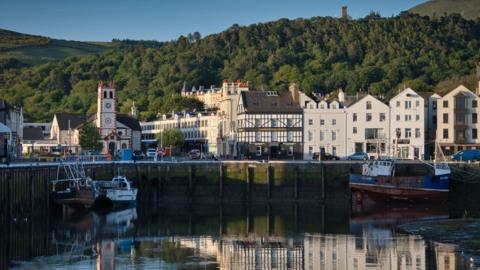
(269, 125)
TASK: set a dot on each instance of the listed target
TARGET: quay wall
(25, 190)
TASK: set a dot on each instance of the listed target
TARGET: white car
(151, 152)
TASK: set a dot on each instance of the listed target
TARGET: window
(474, 133)
(289, 123)
(257, 122)
(322, 135)
(322, 122)
(289, 136)
(354, 130)
(474, 104)
(445, 118)
(104, 94)
(310, 136)
(274, 136)
(408, 117)
(258, 136)
(382, 117)
(417, 117)
(417, 133)
(445, 133)
(334, 106)
(259, 151)
(273, 122)
(369, 105)
(334, 135)
(368, 117)
(398, 132)
(408, 132)
(310, 151)
(334, 122)
(417, 103)
(111, 94)
(445, 104)
(434, 105)
(310, 122)
(398, 103)
(398, 117)
(474, 118)
(408, 104)
(354, 117)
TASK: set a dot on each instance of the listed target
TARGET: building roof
(426, 95)
(75, 120)
(351, 100)
(129, 121)
(269, 102)
(32, 133)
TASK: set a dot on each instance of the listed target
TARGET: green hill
(470, 9)
(320, 54)
(31, 50)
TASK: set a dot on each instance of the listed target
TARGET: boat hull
(421, 189)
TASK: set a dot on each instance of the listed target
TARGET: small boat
(76, 189)
(118, 191)
(378, 180)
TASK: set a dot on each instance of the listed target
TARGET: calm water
(287, 236)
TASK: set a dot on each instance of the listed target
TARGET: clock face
(108, 105)
(108, 121)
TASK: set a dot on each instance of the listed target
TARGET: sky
(103, 20)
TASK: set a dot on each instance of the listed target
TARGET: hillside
(32, 50)
(470, 9)
(321, 54)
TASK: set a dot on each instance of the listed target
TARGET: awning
(4, 129)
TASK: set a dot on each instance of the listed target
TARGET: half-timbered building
(269, 125)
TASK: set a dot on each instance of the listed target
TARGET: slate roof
(32, 133)
(76, 120)
(426, 95)
(262, 102)
(129, 121)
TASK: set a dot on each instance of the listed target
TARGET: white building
(324, 126)
(407, 125)
(224, 99)
(457, 121)
(200, 130)
(368, 126)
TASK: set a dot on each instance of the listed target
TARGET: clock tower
(106, 113)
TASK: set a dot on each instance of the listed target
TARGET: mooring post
(323, 181)
(32, 189)
(10, 193)
(295, 183)
(220, 168)
(269, 180)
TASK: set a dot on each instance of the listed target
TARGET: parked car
(358, 156)
(138, 155)
(194, 154)
(324, 156)
(467, 155)
(151, 152)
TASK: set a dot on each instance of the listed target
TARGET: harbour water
(222, 236)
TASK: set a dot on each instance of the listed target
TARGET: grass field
(34, 50)
(469, 9)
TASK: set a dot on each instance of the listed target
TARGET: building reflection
(122, 240)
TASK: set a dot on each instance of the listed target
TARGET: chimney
(133, 111)
(293, 89)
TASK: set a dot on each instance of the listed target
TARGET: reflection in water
(256, 239)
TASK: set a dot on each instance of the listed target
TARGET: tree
(90, 138)
(170, 137)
